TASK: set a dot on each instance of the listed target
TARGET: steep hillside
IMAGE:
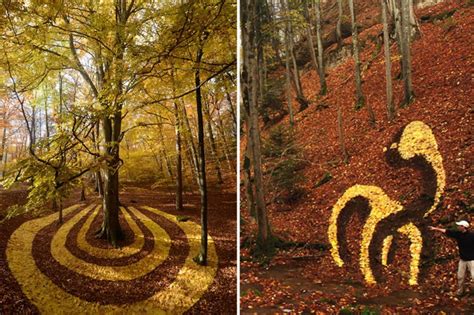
(443, 78)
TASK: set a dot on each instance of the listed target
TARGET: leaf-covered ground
(308, 280)
(67, 267)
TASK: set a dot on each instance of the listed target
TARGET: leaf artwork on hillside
(416, 147)
(36, 260)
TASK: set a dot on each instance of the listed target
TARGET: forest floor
(306, 280)
(121, 277)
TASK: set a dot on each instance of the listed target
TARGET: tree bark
(388, 63)
(322, 70)
(310, 36)
(339, 24)
(291, 48)
(406, 54)
(252, 38)
(288, 71)
(179, 160)
(360, 100)
(202, 257)
(4, 141)
(212, 141)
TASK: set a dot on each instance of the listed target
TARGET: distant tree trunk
(360, 100)
(415, 26)
(322, 70)
(46, 118)
(191, 144)
(179, 153)
(288, 88)
(342, 140)
(33, 126)
(83, 191)
(288, 71)
(3, 157)
(339, 24)
(60, 205)
(309, 35)
(296, 73)
(406, 54)
(179, 160)
(202, 257)
(231, 109)
(388, 63)
(274, 40)
(227, 153)
(163, 152)
(99, 185)
(212, 141)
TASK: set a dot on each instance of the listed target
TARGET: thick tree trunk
(388, 63)
(111, 229)
(322, 70)
(360, 100)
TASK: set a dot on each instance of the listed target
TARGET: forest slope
(443, 74)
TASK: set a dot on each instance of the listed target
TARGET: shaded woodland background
(313, 129)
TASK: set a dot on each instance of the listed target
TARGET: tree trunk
(179, 153)
(415, 26)
(406, 54)
(388, 63)
(252, 35)
(212, 142)
(322, 70)
(202, 257)
(288, 71)
(296, 73)
(340, 129)
(309, 36)
(190, 141)
(231, 109)
(360, 101)
(111, 229)
(179, 161)
(163, 152)
(248, 182)
(112, 130)
(60, 204)
(227, 148)
(4, 141)
(339, 23)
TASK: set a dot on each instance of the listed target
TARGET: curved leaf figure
(415, 147)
